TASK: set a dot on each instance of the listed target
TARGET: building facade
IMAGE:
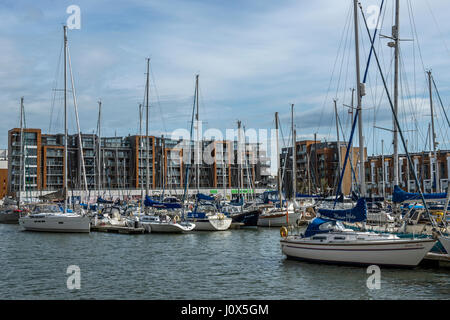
(3, 173)
(379, 177)
(317, 167)
(131, 162)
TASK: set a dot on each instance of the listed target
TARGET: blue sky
(254, 58)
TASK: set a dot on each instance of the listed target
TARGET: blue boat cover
(399, 195)
(196, 215)
(201, 196)
(101, 200)
(89, 206)
(357, 214)
(314, 227)
(149, 202)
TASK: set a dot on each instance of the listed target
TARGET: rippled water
(234, 264)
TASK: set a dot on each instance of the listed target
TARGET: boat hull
(445, 241)
(212, 224)
(10, 217)
(79, 224)
(248, 218)
(167, 228)
(278, 220)
(399, 253)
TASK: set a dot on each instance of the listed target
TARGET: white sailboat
(164, 224)
(326, 240)
(49, 217)
(279, 216)
(204, 215)
(334, 244)
(206, 218)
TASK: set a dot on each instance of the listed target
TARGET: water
(234, 264)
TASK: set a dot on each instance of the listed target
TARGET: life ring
(283, 232)
(439, 215)
(176, 219)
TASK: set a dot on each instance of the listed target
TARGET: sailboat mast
(147, 140)
(197, 157)
(395, 37)
(382, 166)
(360, 93)
(224, 185)
(21, 179)
(141, 184)
(436, 167)
(65, 119)
(278, 162)
(351, 143)
(337, 136)
(99, 147)
(294, 156)
(240, 173)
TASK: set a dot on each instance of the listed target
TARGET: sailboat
(165, 217)
(48, 217)
(245, 214)
(242, 213)
(11, 210)
(207, 216)
(162, 223)
(326, 240)
(283, 214)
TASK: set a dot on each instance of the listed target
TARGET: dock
(118, 229)
(439, 260)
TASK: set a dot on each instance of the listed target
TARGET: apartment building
(3, 173)
(121, 162)
(380, 172)
(317, 167)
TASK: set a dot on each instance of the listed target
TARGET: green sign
(236, 191)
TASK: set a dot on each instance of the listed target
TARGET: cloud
(254, 58)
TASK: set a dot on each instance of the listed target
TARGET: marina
(295, 201)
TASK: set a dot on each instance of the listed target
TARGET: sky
(253, 57)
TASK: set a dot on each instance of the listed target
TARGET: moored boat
(327, 240)
(49, 218)
(10, 215)
(276, 217)
(164, 224)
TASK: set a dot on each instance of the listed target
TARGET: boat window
(339, 238)
(319, 238)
